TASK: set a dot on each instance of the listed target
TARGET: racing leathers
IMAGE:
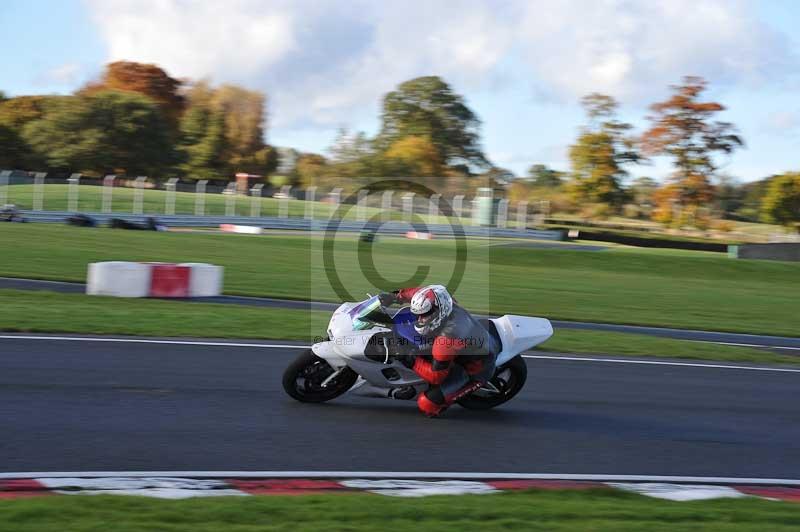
(462, 357)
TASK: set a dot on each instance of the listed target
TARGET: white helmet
(431, 304)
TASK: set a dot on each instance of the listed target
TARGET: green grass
(90, 199)
(153, 201)
(639, 345)
(619, 285)
(40, 311)
(594, 510)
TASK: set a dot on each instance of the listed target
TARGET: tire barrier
(154, 279)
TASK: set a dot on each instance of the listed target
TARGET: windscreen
(368, 313)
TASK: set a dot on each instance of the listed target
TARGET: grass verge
(41, 311)
(618, 285)
(596, 510)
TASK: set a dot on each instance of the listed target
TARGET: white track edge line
(404, 475)
(148, 341)
(663, 363)
(290, 346)
(762, 346)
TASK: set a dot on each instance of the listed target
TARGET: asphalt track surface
(133, 405)
(780, 344)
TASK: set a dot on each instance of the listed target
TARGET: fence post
(433, 207)
(458, 206)
(138, 193)
(408, 206)
(38, 190)
(541, 215)
(108, 187)
(386, 205)
(230, 199)
(170, 185)
(336, 198)
(311, 193)
(502, 213)
(522, 215)
(72, 192)
(200, 197)
(361, 211)
(255, 200)
(283, 206)
(4, 176)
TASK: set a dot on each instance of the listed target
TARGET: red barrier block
(21, 488)
(783, 493)
(286, 486)
(544, 484)
(169, 280)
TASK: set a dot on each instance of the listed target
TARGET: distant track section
(301, 224)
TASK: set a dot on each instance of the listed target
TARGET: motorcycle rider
(463, 352)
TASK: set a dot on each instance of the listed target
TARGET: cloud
(632, 50)
(66, 74)
(328, 62)
(781, 122)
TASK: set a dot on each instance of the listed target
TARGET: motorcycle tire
(517, 373)
(303, 378)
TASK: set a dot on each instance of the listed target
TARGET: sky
(521, 65)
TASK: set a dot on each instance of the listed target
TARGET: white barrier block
(119, 279)
(244, 229)
(205, 280)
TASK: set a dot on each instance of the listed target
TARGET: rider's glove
(387, 298)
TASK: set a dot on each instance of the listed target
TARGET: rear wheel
(507, 381)
(311, 379)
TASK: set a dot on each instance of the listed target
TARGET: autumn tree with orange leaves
(683, 128)
(147, 79)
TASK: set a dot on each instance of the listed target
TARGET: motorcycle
(365, 339)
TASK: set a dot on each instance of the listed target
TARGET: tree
(353, 155)
(427, 107)
(15, 113)
(413, 156)
(544, 177)
(109, 131)
(202, 138)
(310, 170)
(682, 128)
(642, 190)
(146, 79)
(730, 195)
(752, 198)
(600, 153)
(782, 201)
(245, 121)
(221, 132)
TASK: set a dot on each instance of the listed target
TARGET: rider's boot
(431, 402)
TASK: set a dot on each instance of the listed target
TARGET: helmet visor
(424, 319)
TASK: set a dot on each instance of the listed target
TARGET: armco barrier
(777, 251)
(301, 224)
(650, 242)
(137, 279)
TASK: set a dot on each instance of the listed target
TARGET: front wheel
(308, 379)
(507, 381)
